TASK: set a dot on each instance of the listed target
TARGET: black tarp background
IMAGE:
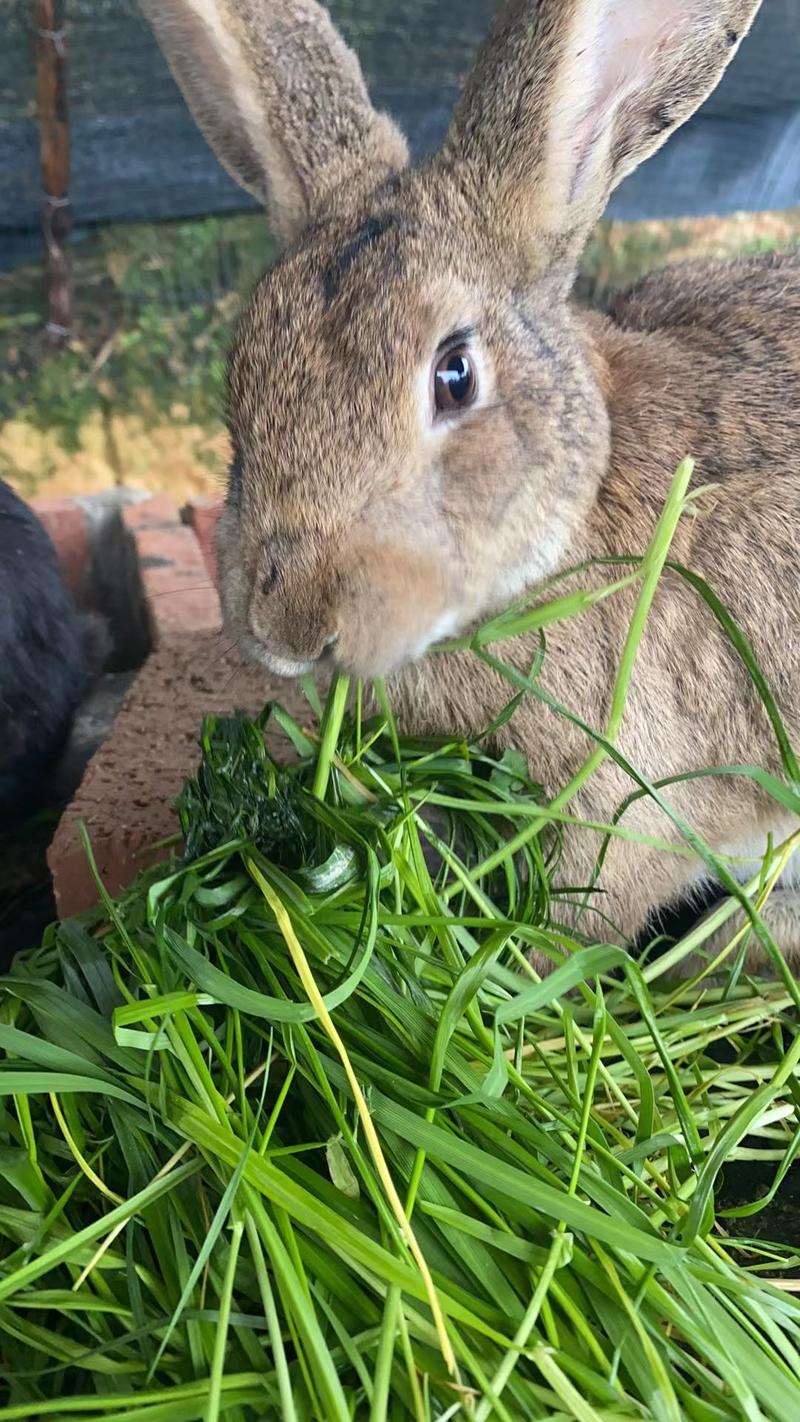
(136, 155)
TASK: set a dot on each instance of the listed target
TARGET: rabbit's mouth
(342, 654)
(281, 665)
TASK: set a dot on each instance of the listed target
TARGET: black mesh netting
(136, 154)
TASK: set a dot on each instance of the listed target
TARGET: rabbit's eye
(454, 380)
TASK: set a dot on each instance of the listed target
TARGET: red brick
(119, 858)
(203, 515)
(180, 595)
(127, 797)
(68, 528)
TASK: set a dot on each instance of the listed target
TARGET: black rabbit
(44, 656)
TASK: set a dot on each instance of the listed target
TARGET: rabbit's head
(419, 424)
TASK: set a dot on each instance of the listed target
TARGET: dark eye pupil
(457, 376)
(455, 382)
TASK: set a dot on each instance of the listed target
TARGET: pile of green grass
(293, 1130)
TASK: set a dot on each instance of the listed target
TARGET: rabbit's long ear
(280, 98)
(568, 96)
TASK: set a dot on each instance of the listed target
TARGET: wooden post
(51, 100)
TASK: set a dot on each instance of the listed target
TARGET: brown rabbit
(424, 428)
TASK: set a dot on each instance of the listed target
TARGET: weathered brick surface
(128, 794)
(68, 528)
(203, 515)
(127, 797)
(181, 597)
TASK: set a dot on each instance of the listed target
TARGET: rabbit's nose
(291, 640)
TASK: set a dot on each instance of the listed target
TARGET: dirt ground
(163, 456)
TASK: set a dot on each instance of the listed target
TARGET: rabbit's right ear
(568, 96)
(280, 98)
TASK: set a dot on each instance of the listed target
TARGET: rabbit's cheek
(393, 610)
(235, 574)
(536, 560)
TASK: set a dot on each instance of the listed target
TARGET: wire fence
(136, 155)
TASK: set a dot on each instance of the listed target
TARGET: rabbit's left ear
(568, 96)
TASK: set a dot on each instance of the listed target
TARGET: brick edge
(174, 553)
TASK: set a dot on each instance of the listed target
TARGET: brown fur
(358, 526)
(280, 98)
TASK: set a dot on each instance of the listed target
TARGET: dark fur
(43, 655)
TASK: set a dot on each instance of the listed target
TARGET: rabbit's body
(43, 655)
(692, 359)
(425, 429)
